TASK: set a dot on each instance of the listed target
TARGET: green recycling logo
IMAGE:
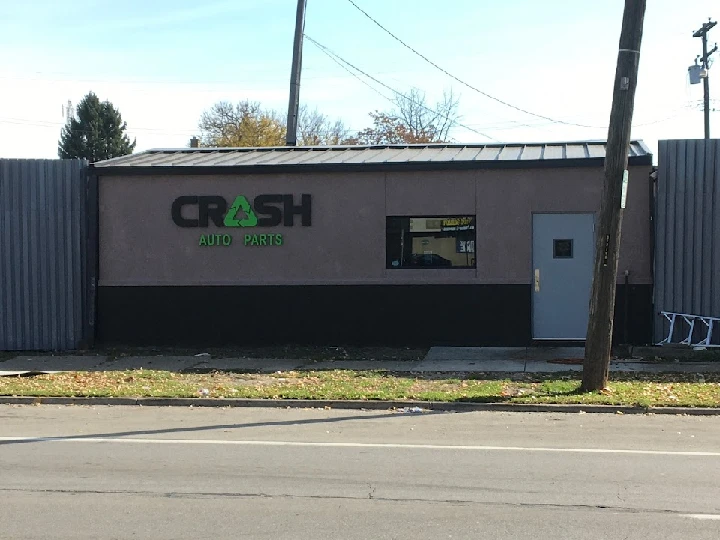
(240, 204)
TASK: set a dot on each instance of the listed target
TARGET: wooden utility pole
(598, 344)
(702, 33)
(294, 105)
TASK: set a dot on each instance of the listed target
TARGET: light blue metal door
(563, 252)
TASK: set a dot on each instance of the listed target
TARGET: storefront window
(430, 242)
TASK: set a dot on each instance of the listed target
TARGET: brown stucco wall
(140, 244)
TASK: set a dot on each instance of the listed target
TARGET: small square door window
(563, 249)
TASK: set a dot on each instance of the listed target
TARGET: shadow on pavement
(197, 429)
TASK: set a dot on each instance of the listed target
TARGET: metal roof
(417, 156)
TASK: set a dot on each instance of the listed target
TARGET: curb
(426, 406)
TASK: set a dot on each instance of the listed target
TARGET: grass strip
(634, 389)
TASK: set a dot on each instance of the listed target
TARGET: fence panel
(43, 254)
(687, 230)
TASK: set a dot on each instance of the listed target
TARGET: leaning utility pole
(294, 105)
(702, 33)
(598, 343)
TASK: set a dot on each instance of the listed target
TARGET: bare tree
(314, 128)
(412, 121)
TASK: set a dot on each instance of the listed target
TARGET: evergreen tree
(97, 132)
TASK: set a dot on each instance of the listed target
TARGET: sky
(163, 62)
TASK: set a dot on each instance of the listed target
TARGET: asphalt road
(131, 472)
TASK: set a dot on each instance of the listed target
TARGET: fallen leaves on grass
(640, 390)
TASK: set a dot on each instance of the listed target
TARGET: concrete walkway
(438, 359)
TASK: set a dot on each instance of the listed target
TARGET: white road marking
(129, 440)
(714, 517)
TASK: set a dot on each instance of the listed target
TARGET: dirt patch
(567, 361)
(290, 352)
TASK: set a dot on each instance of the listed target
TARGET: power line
(336, 57)
(341, 62)
(130, 130)
(471, 87)
(205, 83)
(355, 75)
(426, 59)
(473, 127)
(660, 121)
(378, 92)
(51, 124)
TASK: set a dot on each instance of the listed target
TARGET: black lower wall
(410, 315)
(637, 327)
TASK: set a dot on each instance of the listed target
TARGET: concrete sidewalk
(438, 359)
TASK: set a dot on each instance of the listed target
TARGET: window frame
(572, 248)
(473, 266)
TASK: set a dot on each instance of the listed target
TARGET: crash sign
(204, 211)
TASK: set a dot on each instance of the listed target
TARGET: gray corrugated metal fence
(43, 254)
(687, 229)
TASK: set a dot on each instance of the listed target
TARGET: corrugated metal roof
(313, 156)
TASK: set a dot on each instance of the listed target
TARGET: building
(413, 244)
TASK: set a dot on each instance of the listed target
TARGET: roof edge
(198, 170)
(204, 149)
(341, 155)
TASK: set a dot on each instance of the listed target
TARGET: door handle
(537, 280)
